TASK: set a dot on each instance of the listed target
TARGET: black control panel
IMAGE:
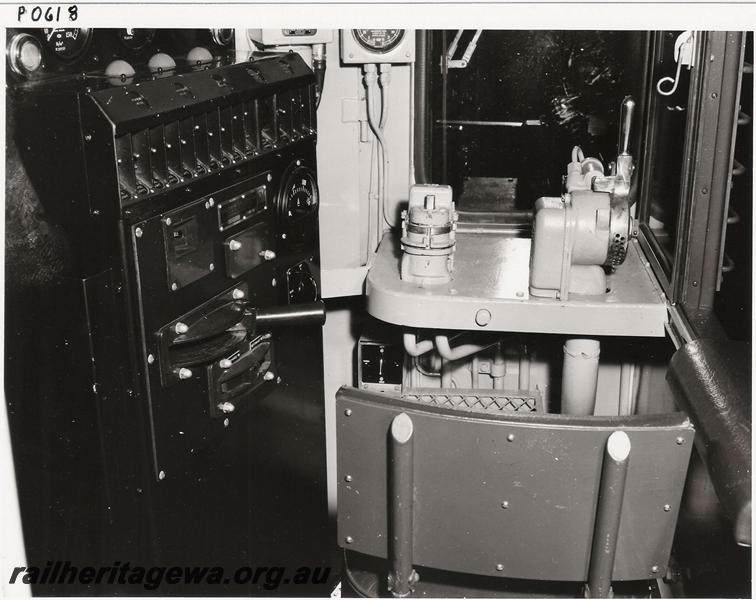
(183, 206)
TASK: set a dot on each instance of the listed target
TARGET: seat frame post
(608, 514)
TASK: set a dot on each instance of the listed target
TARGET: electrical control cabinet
(190, 301)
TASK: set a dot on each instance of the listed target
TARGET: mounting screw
(667, 508)
(680, 441)
(150, 358)
(226, 407)
(161, 475)
(237, 294)
(211, 202)
(184, 373)
(225, 422)
(348, 478)
(224, 363)
(167, 220)
(505, 504)
(138, 232)
(499, 567)
(180, 328)
(273, 282)
(269, 376)
(283, 236)
(211, 266)
(174, 286)
(270, 177)
(267, 254)
(348, 412)
(510, 437)
(349, 539)
(654, 569)
(88, 137)
(234, 245)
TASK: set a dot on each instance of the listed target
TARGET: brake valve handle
(624, 158)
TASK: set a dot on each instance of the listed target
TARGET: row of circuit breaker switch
(155, 159)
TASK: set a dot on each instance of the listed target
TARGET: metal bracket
(448, 61)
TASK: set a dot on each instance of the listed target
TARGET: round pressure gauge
(24, 54)
(222, 37)
(378, 40)
(67, 43)
(135, 39)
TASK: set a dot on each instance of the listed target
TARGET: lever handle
(626, 121)
(309, 313)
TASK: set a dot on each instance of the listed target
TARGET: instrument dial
(222, 37)
(298, 207)
(67, 43)
(24, 54)
(378, 40)
(135, 39)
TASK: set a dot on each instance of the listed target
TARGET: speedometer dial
(298, 206)
(67, 43)
(378, 40)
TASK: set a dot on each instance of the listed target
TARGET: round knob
(234, 245)
(224, 363)
(269, 376)
(267, 254)
(226, 407)
(161, 62)
(238, 294)
(199, 56)
(181, 328)
(184, 373)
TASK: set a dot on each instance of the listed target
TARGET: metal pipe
(446, 374)
(626, 121)
(415, 348)
(627, 389)
(445, 350)
(580, 376)
(401, 481)
(523, 374)
(608, 514)
(421, 86)
(310, 313)
(498, 368)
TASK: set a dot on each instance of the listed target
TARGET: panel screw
(505, 504)
(138, 232)
(499, 567)
(237, 294)
(510, 437)
(667, 508)
(273, 282)
(349, 539)
(168, 221)
(269, 376)
(184, 373)
(150, 358)
(88, 137)
(211, 266)
(348, 478)
(348, 412)
(225, 422)
(224, 363)
(705, 190)
(174, 286)
(226, 407)
(234, 245)
(161, 475)
(211, 202)
(181, 328)
(270, 177)
(654, 569)
(679, 441)
(714, 95)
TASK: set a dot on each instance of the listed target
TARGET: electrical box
(290, 37)
(364, 46)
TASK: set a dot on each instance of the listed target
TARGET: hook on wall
(684, 53)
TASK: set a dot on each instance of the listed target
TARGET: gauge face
(67, 43)
(378, 40)
(24, 54)
(135, 39)
(222, 37)
(298, 207)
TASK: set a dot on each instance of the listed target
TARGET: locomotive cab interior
(380, 312)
